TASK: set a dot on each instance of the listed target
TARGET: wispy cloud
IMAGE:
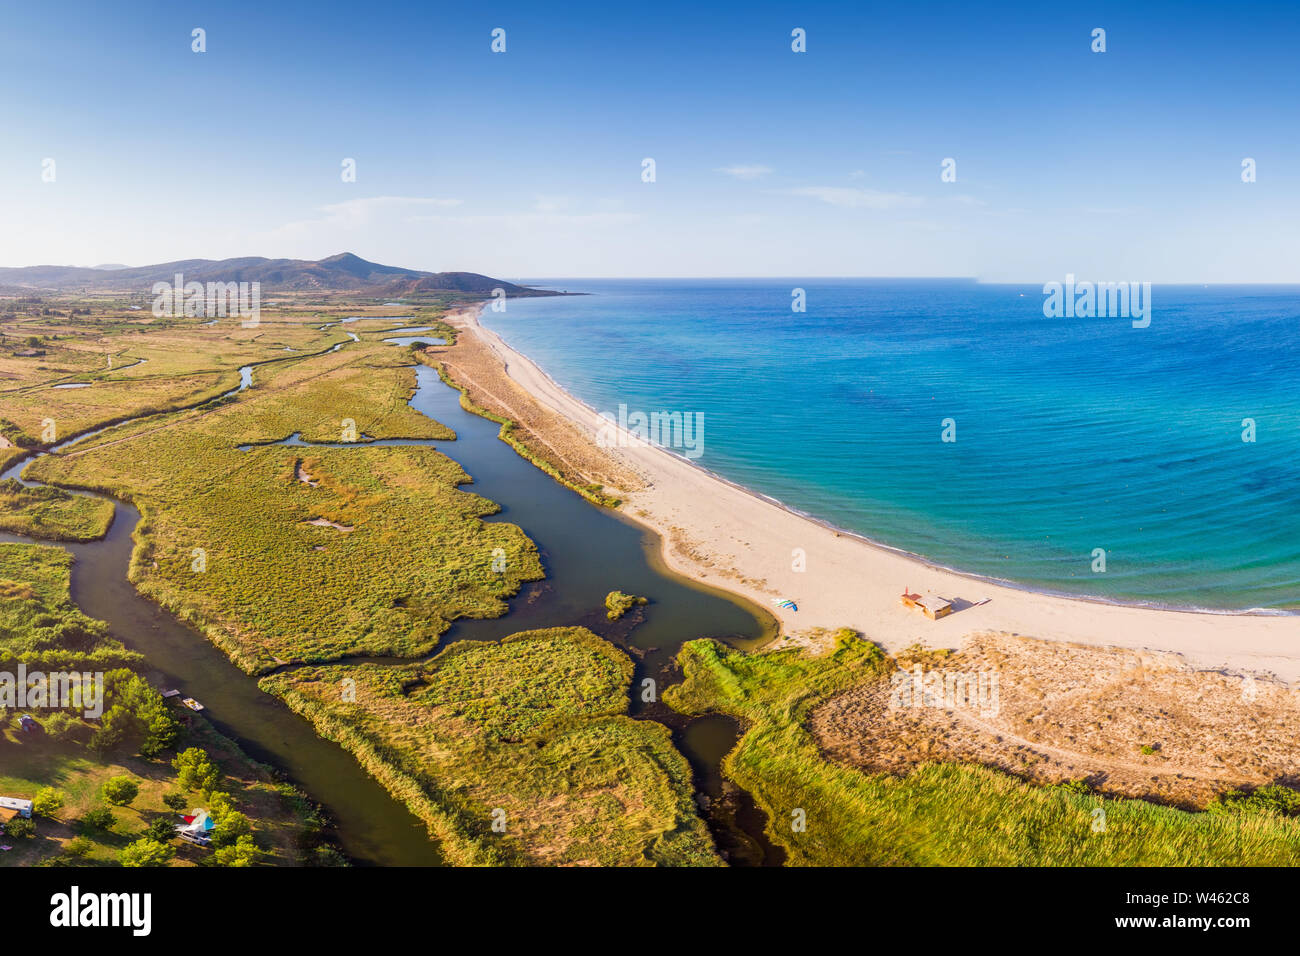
(516, 221)
(745, 172)
(363, 213)
(357, 208)
(847, 197)
(547, 204)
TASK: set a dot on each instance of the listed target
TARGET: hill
(344, 272)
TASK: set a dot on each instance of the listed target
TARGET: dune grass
(530, 733)
(508, 433)
(939, 814)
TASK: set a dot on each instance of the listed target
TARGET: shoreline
(852, 581)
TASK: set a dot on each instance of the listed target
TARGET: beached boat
(192, 704)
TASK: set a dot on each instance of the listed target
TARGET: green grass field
(939, 814)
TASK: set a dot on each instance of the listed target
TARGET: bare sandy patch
(1070, 711)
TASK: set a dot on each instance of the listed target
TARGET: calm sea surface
(1072, 434)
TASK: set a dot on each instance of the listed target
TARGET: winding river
(369, 825)
(586, 552)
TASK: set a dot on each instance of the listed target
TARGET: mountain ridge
(343, 272)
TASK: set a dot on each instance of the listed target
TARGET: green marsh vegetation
(940, 813)
(52, 513)
(40, 626)
(227, 539)
(133, 369)
(617, 604)
(530, 733)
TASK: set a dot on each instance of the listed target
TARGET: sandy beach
(728, 537)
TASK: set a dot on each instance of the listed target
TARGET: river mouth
(586, 551)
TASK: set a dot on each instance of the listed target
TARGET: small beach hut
(931, 605)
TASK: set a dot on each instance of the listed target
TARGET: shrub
(98, 818)
(327, 856)
(20, 828)
(175, 800)
(62, 726)
(120, 790)
(146, 852)
(617, 604)
(1273, 799)
(78, 847)
(47, 802)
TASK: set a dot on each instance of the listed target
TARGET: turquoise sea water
(1072, 434)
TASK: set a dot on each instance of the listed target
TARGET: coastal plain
(302, 516)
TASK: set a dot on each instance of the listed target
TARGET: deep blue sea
(1072, 434)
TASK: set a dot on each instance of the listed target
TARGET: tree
(120, 790)
(146, 852)
(137, 715)
(48, 801)
(175, 800)
(229, 825)
(162, 830)
(114, 727)
(243, 852)
(196, 771)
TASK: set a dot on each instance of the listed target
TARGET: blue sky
(1117, 165)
